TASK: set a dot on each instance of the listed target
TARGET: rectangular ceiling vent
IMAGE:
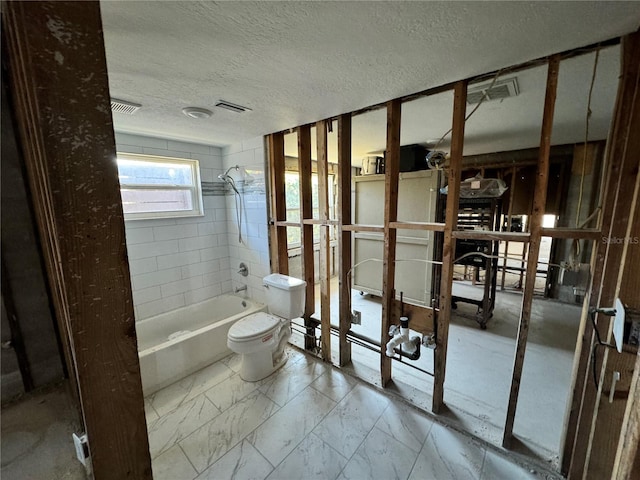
(232, 106)
(501, 89)
(120, 106)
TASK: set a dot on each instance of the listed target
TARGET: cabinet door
(416, 203)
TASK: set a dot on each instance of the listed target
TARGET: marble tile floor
(306, 421)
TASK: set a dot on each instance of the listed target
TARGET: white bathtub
(176, 344)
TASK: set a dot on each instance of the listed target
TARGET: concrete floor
(36, 437)
(479, 368)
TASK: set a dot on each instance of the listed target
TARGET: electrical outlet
(356, 317)
(82, 447)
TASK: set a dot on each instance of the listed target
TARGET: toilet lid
(253, 326)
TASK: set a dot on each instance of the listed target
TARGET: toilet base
(259, 365)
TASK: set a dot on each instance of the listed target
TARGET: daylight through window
(159, 187)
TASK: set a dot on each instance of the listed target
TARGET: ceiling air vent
(120, 106)
(232, 106)
(501, 89)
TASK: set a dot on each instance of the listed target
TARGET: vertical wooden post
(344, 237)
(509, 216)
(325, 247)
(391, 176)
(449, 246)
(306, 231)
(622, 158)
(61, 101)
(535, 230)
(278, 210)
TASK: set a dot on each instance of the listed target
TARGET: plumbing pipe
(410, 346)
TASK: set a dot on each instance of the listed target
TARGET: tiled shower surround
(178, 262)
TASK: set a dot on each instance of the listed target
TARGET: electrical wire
(594, 349)
(575, 250)
(482, 99)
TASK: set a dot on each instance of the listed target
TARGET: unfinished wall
(178, 262)
(24, 285)
(254, 249)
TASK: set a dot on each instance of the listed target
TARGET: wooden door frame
(66, 134)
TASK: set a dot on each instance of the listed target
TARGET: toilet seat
(253, 326)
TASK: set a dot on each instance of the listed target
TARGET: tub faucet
(241, 288)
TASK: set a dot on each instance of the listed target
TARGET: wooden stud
(449, 245)
(432, 227)
(607, 419)
(422, 318)
(325, 247)
(509, 218)
(391, 177)
(277, 202)
(620, 172)
(344, 236)
(363, 228)
(535, 229)
(492, 235)
(306, 231)
(77, 203)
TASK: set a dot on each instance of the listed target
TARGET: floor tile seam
(188, 460)
(190, 433)
(305, 436)
(404, 443)
(484, 459)
(233, 403)
(183, 403)
(232, 446)
(364, 438)
(335, 450)
(441, 421)
(327, 396)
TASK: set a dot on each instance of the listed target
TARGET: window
(159, 187)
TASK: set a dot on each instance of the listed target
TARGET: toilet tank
(285, 295)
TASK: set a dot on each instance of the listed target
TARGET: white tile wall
(177, 262)
(254, 249)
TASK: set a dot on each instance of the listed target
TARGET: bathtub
(177, 343)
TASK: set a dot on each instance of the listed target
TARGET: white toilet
(260, 337)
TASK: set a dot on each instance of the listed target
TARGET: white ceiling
(298, 62)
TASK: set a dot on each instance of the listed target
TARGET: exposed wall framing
(437, 320)
(344, 236)
(535, 235)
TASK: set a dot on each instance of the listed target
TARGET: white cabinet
(417, 193)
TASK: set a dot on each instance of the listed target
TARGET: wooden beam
(306, 232)
(325, 247)
(363, 228)
(577, 233)
(449, 245)
(344, 236)
(425, 226)
(288, 224)
(620, 170)
(607, 417)
(629, 443)
(535, 229)
(319, 221)
(277, 203)
(491, 235)
(421, 317)
(509, 218)
(391, 177)
(65, 129)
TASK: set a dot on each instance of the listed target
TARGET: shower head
(229, 181)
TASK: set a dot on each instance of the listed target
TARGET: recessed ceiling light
(196, 112)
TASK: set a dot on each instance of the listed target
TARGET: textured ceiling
(299, 62)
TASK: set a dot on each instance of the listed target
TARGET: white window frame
(195, 187)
